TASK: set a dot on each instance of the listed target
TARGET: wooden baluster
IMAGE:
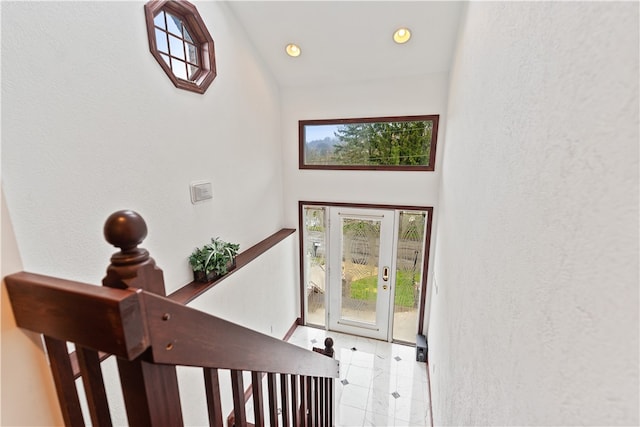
(316, 403)
(326, 397)
(150, 391)
(237, 389)
(273, 399)
(284, 392)
(294, 401)
(258, 410)
(64, 381)
(303, 402)
(89, 363)
(212, 386)
(320, 400)
(331, 402)
(310, 409)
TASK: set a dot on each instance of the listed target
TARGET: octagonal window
(181, 43)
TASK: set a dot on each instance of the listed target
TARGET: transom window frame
(430, 167)
(197, 35)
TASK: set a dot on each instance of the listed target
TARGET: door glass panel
(361, 266)
(360, 254)
(409, 262)
(315, 267)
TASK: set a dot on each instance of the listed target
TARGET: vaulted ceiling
(345, 42)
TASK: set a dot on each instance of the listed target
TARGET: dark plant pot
(200, 276)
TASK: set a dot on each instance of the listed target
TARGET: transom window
(181, 43)
(404, 143)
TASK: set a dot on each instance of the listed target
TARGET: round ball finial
(125, 229)
(328, 347)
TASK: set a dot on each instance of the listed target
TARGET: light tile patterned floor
(380, 383)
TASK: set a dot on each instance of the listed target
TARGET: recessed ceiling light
(402, 35)
(293, 50)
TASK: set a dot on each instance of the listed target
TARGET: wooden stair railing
(150, 335)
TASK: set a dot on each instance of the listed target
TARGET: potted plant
(213, 260)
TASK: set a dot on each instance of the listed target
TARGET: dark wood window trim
(427, 248)
(192, 290)
(202, 40)
(435, 118)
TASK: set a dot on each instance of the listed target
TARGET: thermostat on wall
(201, 191)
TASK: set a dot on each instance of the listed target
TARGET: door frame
(427, 249)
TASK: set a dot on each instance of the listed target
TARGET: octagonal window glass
(181, 43)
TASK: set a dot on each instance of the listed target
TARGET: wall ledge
(192, 290)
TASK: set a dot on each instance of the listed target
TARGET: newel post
(132, 267)
(328, 348)
(150, 390)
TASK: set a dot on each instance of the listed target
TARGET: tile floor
(380, 383)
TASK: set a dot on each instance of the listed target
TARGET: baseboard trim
(429, 387)
(292, 329)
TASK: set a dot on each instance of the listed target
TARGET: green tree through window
(394, 143)
(376, 143)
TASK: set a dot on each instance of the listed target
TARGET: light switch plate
(201, 191)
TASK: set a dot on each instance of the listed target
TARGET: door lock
(385, 274)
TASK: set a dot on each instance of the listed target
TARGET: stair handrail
(131, 318)
(174, 334)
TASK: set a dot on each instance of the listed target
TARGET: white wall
(418, 95)
(535, 320)
(26, 391)
(266, 305)
(91, 124)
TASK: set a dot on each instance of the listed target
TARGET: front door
(361, 270)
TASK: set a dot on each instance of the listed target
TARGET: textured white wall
(264, 308)
(420, 95)
(91, 124)
(535, 320)
(26, 391)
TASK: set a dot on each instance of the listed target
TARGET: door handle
(385, 274)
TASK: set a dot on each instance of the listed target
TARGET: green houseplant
(213, 260)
